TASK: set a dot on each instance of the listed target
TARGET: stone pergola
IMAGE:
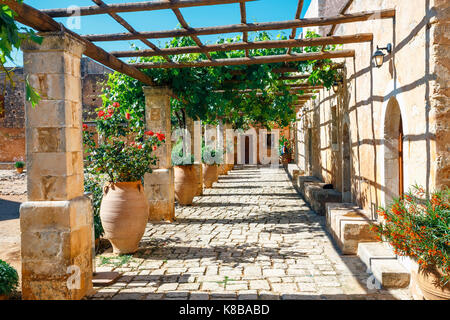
(56, 222)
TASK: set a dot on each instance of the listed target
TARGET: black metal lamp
(336, 86)
(378, 56)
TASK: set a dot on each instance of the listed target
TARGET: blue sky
(257, 11)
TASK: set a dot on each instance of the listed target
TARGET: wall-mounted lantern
(378, 56)
(336, 86)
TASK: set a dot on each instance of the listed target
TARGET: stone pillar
(159, 185)
(229, 143)
(221, 145)
(56, 222)
(195, 130)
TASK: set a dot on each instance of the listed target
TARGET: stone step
(349, 226)
(383, 264)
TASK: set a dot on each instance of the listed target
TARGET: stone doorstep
(349, 226)
(7, 165)
(384, 265)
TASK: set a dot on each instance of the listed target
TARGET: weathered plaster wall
(416, 75)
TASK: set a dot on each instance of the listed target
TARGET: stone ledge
(349, 226)
(318, 197)
(383, 263)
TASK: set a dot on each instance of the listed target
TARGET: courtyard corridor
(250, 237)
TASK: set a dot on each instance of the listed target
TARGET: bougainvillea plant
(124, 152)
(419, 227)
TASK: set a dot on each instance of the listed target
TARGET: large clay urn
(428, 281)
(186, 184)
(210, 175)
(124, 214)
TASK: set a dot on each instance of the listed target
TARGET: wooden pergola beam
(297, 16)
(249, 27)
(138, 6)
(296, 77)
(249, 61)
(270, 44)
(127, 26)
(41, 22)
(244, 21)
(185, 25)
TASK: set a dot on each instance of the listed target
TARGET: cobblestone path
(250, 237)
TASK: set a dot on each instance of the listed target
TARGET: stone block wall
(12, 127)
(419, 35)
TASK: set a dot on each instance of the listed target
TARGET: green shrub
(19, 164)
(9, 279)
(211, 156)
(94, 187)
(178, 157)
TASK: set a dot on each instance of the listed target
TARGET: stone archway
(393, 152)
(346, 164)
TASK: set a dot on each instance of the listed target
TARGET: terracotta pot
(428, 281)
(124, 214)
(3, 297)
(210, 175)
(19, 170)
(186, 184)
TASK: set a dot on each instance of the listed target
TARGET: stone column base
(199, 174)
(160, 192)
(57, 253)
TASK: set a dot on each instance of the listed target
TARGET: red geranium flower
(149, 133)
(101, 113)
(116, 105)
(160, 136)
(110, 110)
(85, 126)
(154, 148)
(128, 116)
(139, 146)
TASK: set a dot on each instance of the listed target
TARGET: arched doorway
(393, 152)
(346, 165)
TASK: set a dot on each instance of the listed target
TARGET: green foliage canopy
(207, 94)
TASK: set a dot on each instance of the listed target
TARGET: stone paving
(250, 237)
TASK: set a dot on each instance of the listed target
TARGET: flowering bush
(9, 279)
(124, 152)
(420, 228)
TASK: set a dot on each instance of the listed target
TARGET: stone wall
(12, 131)
(413, 79)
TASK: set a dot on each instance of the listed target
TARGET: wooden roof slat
(42, 22)
(138, 6)
(185, 25)
(244, 21)
(127, 26)
(249, 27)
(297, 16)
(250, 60)
(269, 44)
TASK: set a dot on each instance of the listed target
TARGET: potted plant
(9, 280)
(185, 177)
(123, 156)
(19, 165)
(211, 160)
(285, 150)
(419, 227)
